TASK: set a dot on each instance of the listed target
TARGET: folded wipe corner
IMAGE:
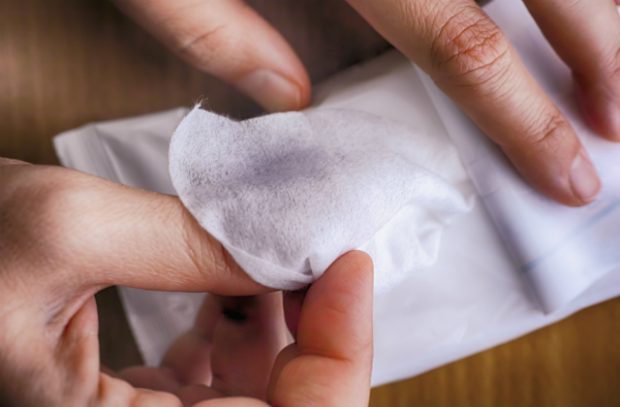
(288, 193)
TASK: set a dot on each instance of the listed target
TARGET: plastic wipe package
(475, 288)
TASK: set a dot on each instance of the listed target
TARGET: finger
(586, 35)
(472, 62)
(112, 391)
(233, 402)
(152, 378)
(11, 161)
(293, 302)
(331, 362)
(77, 351)
(193, 394)
(246, 342)
(229, 40)
(99, 233)
(189, 357)
(185, 369)
(163, 380)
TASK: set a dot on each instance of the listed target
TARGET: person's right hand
(454, 41)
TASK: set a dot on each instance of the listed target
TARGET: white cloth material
(288, 193)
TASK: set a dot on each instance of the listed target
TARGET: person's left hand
(66, 235)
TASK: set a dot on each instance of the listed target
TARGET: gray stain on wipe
(284, 167)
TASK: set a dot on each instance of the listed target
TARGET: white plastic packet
(474, 297)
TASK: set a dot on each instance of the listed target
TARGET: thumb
(330, 364)
(231, 41)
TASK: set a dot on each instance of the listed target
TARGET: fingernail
(584, 179)
(273, 91)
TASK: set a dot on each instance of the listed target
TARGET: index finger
(469, 58)
(93, 233)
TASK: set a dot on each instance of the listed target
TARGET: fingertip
(601, 111)
(274, 91)
(336, 318)
(354, 260)
(569, 181)
(551, 159)
(351, 274)
(584, 179)
(332, 358)
(231, 41)
(345, 271)
(272, 74)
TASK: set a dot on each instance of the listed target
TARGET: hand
(65, 235)
(462, 50)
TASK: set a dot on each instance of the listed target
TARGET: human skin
(461, 49)
(66, 235)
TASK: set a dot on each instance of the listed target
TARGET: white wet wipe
(286, 194)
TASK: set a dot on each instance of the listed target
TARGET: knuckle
(469, 50)
(207, 256)
(547, 132)
(611, 64)
(198, 255)
(204, 38)
(204, 46)
(53, 203)
(51, 215)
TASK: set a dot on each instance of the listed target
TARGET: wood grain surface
(64, 63)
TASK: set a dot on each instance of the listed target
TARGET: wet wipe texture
(288, 193)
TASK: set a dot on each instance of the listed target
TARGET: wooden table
(67, 62)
